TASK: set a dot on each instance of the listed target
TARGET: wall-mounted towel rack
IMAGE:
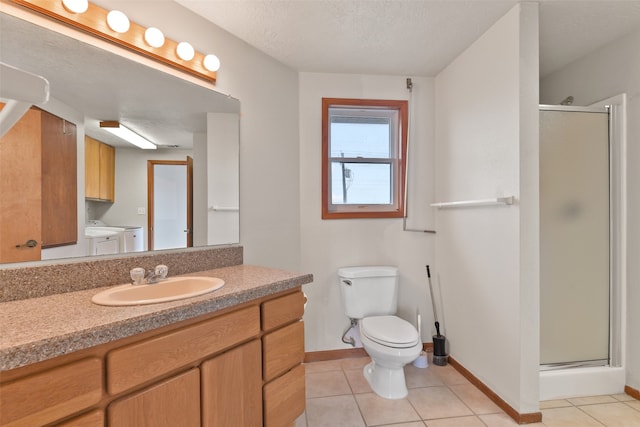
(481, 202)
(223, 208)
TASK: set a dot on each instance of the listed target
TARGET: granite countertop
(37, 329)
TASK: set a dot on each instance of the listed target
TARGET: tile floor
(439, 396)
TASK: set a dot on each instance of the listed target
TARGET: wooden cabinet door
(91, 419)
(107, 172)
(59, 182)
(91, 168)
(20, 189)
(231, 388)
(174, 402)
(99, 170)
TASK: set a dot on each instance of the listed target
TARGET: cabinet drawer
(284, 398)
(50, 395)
(282, 350)
(141, 362)
(283, 310)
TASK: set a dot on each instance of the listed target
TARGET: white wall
(222, 183)
(609, 71)
(268, 92)
(330, 244)
(487, 257)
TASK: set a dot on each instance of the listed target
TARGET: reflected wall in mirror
(89, 85)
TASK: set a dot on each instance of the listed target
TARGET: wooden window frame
(399, 167)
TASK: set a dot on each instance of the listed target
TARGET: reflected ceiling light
(185, 51)
(154, 37)
(76, 6)
(127, 134)
(118, 21)
(211, 62)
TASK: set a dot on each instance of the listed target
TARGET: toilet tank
(368, 290)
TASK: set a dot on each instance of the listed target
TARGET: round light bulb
(185, 51)
(118, 21)
(154, 37)
(211, 62)
(76, 6)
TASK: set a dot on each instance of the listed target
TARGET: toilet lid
(390, 331)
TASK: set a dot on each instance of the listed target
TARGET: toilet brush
(439, 351)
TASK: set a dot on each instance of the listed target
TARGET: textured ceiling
(407, 37)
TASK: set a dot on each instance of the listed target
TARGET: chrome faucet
(151, 277)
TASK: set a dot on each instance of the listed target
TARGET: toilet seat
(389, 331)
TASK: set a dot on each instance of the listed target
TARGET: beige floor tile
(475, 399)
(333, 411)
(330, 383)
(437, 402)
(504, 420)
(568, 417)
(421, 377)
(377, 410)
(614, 414)
(472, 421)
(357, 381)
(591, 400)
(449, 375)
(558, 403)
(622, 397)
(414, 424)
(301, 421)
(442, 397)
(327, 365)
(635, 404)
(355, 363)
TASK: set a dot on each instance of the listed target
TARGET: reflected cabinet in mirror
(123, 198)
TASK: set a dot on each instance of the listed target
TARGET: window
(364, 146)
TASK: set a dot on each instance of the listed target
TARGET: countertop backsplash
(61, 276)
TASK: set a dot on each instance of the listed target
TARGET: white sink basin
(171, 289)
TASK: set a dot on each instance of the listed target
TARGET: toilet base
(386, 382)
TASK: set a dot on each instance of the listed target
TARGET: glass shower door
(574, 237)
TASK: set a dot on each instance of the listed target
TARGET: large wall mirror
(185, 120)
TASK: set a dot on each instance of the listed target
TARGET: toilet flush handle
(347, 282)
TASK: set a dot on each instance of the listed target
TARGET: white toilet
(370, 295)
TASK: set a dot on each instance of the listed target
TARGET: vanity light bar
(94, 21)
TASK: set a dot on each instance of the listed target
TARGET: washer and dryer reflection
(130, 238)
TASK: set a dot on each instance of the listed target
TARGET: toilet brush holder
(439, 353)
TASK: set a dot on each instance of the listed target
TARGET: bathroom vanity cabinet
(241, 366)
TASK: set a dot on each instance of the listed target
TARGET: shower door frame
(618, 227)
(616, 107)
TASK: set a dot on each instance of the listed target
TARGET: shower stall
(580, 301)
